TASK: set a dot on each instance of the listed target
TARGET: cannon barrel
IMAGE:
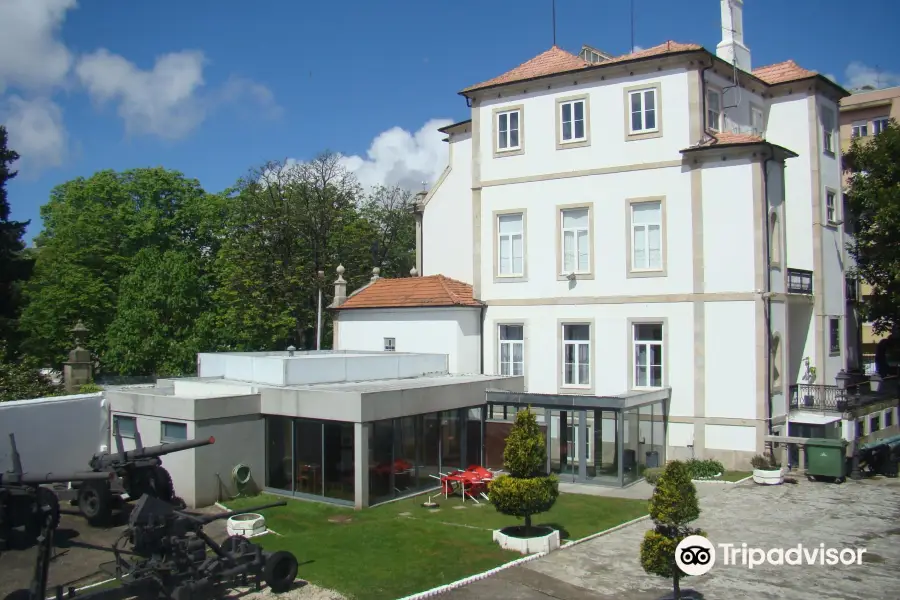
(31, 479)
(163, 449)
(231, 513)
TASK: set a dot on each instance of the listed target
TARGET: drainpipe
(481, 337)
(703, 100)
(766, 297)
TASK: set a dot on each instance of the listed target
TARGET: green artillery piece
(136, 473)
(24, 501)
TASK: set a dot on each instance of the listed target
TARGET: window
(648, 355)
(572, 121)
(774, 240)
(831, 206)
(888, 418)
(874, 423)
(860, 428)
(757, 121)
(643, 109)
(573, 436)
(508, 130)
(646, 236)
(776, 362)
(390, 344)
(879, 125)
(834, 335)
(127, 426)
(173, 432)
(860, 129)
(828, 130)
(714, 109)
(511, 244)
(512, 349)
(576, 355)
(575, 237)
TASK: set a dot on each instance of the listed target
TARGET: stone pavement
(863, 514)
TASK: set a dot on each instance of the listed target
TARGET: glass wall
(604, 464)
(451, 440)
(632, 441)
(310, 458)
(474, 437)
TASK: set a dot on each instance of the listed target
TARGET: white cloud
(859, 75)
(36, 132)
(638, 49)
(399, 157)
(830, 76)
(31, 56)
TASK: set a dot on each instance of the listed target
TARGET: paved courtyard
(863, 514)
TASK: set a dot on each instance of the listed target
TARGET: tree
(527, 490)
(672, 506)
(874, 201)
(15, 265)
(23, 380)
(93, 230)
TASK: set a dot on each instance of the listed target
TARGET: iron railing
(799, 281)
(817, 397)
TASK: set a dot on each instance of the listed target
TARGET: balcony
(799, 281)
(823, 398)
(830, 398)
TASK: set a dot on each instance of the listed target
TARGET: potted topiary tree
(766, 470)
(527, 490)
(672, 506)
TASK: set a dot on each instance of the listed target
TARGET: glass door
(563, 451)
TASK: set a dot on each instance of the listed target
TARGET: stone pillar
(78, 370)
(418, 215)
(361, 465)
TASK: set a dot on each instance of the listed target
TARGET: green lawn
(735, 475)
(383, 553)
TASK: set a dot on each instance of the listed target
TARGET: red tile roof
(412, 292)
(725, 137)
(556, 61)
(783, 72)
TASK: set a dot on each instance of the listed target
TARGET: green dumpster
(826, 459)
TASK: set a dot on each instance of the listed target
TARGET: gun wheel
(237, 545)
(18, 595)
(280, 571)
(94, 502)
(44, 497)
(163, 486)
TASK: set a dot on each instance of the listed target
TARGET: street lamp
(321, 275)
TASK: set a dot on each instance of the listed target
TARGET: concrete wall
(239, 440)
(728, 232)
(447, 220)
(451, 331)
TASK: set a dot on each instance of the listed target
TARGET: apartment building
(663, 227)
(864, 115)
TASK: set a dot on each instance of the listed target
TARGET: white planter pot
(545, 543)
(768, 477)
(248, 525)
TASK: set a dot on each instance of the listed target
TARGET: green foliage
(23, 380)
(89, 388)
(764, 463)
(874, 202)
(527, 490)
(652, 474)
(15, 263)
(672, 506)
(525, 454)
(705, 469)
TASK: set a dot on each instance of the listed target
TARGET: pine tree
(673, 505)
(15, 267)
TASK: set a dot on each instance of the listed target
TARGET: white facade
(454, 330)
(716, 225)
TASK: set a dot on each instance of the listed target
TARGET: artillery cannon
(24, 501)
(136, 472)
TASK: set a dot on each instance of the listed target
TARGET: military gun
(136, 472)
(24, 501)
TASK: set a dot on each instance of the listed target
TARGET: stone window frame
(592, 253)
(777, 381)
(720, 126)
(838, 214)
(664, 321)
(562, 388)
(495, 127)
(643, 135)
(495, 220)
(828, 134)
(563, 145)
(523, 323)
(631, 272)
(762, 112)
(776, 245)
(832, 350)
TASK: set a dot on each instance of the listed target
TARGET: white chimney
(732, 49)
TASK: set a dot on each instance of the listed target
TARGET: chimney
(732, 49)
(340, 288)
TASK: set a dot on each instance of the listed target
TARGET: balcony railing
(799, 281)
(816, 397)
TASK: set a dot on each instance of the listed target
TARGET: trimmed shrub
(673, 505)
(705, 469)
(652, 475)
(764, 463)
(527, 490)
(89, 388)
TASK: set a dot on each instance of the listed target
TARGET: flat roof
(625, 400)
(373, 385)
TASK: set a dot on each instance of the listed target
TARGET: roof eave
(449, 128)
(395, 307)
(816, 78)
(781, 151)
(590, 68)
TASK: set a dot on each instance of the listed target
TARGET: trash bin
(826, 459)
(652, 459)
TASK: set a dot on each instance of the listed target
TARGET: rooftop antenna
(554, 22)
(632, 25)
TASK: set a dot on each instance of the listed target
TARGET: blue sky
(213, 88)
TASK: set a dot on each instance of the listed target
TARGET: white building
(666, 219)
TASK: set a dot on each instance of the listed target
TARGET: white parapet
(532, 545)
(248, 525)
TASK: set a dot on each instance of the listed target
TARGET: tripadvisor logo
(696, 555)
